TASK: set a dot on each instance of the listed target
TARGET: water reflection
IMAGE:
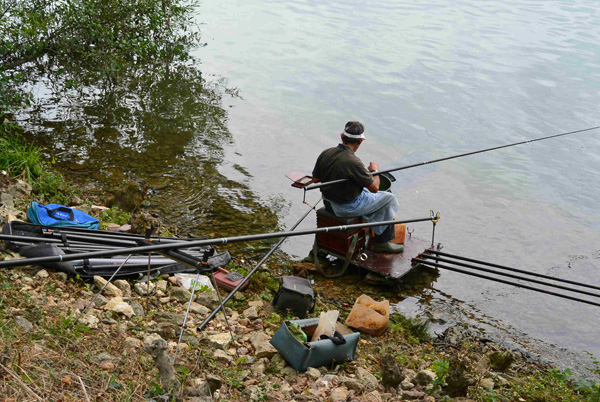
(164, 127)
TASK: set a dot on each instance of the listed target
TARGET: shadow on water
(163, 127)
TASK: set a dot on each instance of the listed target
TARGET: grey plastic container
(313, 354)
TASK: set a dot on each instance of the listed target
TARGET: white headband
(354, 135)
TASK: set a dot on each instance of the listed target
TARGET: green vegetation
(415, 330)
(114, 215)
(17, 157)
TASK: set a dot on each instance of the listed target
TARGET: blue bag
(59, 215)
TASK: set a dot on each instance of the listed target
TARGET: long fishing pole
(513, 269)
(328, 183)
(519, 285)
(256, 267)
(505, 274)
(207, 242)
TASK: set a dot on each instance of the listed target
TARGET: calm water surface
(428, 80)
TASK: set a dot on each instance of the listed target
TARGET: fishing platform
(355, 246)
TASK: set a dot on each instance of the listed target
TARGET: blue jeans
(372, 207)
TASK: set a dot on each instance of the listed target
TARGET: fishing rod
(505, 274)
(207, 242)
(327, 183)
(430, 264)
(513, 269)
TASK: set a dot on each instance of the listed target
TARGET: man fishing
(360, 196)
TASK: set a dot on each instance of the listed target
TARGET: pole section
(434, 265)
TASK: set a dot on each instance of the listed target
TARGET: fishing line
(327, 183)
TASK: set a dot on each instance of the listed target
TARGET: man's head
(353, 133)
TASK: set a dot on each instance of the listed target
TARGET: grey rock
(352, 384)
(167, 316)
(20, 188)
(7, 200)
(25, 325)
(109, 321)
(124, 286)
(137, 308)
(180, 294)
(100, 301)
(208, 299)
(369, 379)
(199, 308)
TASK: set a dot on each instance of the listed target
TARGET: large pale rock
(180, 294)
(220, 341)
(367, 378)
(261, 345)
(117, 305)
(368, 316)
(110, 290)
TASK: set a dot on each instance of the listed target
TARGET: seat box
(338, 241)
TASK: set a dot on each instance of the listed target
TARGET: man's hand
(373, 166)
(374, 187)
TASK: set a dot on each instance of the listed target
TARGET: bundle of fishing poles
(507, 275)
(33, 241)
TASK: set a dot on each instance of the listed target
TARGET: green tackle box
(312, 354)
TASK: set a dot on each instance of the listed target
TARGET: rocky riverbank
(122, 347)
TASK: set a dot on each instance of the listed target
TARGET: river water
(430, 79)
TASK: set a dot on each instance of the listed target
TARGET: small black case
(295, 294)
